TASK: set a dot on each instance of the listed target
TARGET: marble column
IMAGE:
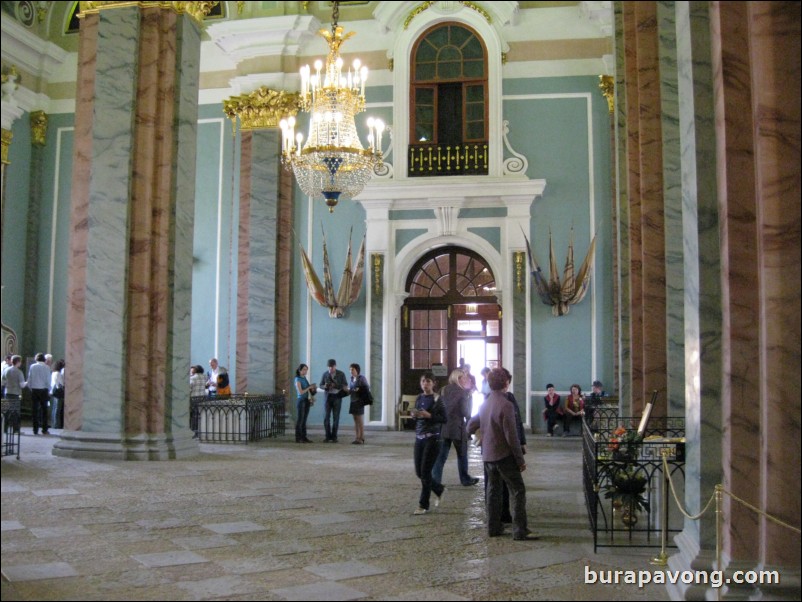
(285, 367)
(257, 262)
(30, 338)
(375, 288)
(631, 404)
(672, 196)
(624, 373)
(130, 273)
(519, 355)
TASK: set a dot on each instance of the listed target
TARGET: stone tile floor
(281, 521)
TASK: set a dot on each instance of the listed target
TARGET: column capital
(263, 108)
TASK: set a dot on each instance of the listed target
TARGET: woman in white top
(57, 395)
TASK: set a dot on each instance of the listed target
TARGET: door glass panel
(492, 328)
(428, 337)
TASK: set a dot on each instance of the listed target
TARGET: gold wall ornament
(196, 10)
(8, 135)
(415, 12)
(518, 258)
(504, 58)
(427, 5)
(378, 271)
(38, 128)
(607, 86)
(262, 108)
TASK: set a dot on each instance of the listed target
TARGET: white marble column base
(113, 446)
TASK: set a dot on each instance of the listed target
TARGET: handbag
(367, 398)
(58, 392)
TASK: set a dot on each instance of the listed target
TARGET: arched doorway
(451, 314)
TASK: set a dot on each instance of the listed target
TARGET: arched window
(448, 125)
(451, 273)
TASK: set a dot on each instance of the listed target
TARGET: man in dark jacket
(335, 387)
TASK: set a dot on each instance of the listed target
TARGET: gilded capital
(196, 10)
(607, 86)
(38, 128)
(261, 109)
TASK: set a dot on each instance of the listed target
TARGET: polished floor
(282, 521)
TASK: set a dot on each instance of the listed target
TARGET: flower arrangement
(625, 444)
(628, 487)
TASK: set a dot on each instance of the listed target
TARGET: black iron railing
(238, 418)
(605, 456)
(11, 420)
(468, 159)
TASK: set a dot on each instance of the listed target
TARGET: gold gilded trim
(518, 260)
(479, 10)
(196, 10)
(426, 5)
(378, 270)
(38, 128)
(263, 108)
(607, 86)
(8, 135)
(415, 12)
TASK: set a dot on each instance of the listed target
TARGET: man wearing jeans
(335, 387)
(39, 384)
(503, 457)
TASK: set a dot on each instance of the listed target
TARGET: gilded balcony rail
(457, 160)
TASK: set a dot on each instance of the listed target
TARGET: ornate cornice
(262, 108)
(38, 128)
(196, 10)
(607, 86)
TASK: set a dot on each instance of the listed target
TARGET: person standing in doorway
(335, 387)
(39, 384)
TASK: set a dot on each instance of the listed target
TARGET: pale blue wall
(551, 132)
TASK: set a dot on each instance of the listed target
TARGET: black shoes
(473, 481)
(527, 537)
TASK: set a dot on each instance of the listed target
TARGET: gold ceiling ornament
(196, 10)
(427, 5)
(607, 86)
(38, 128)
(332, 163)
(262, 108)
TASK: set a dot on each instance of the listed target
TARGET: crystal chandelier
(332, 162)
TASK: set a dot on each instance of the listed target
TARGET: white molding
(29, 52)
(11, 111)
(267, 36)
(468, 191)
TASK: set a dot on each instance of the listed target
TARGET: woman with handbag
(360, 394)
